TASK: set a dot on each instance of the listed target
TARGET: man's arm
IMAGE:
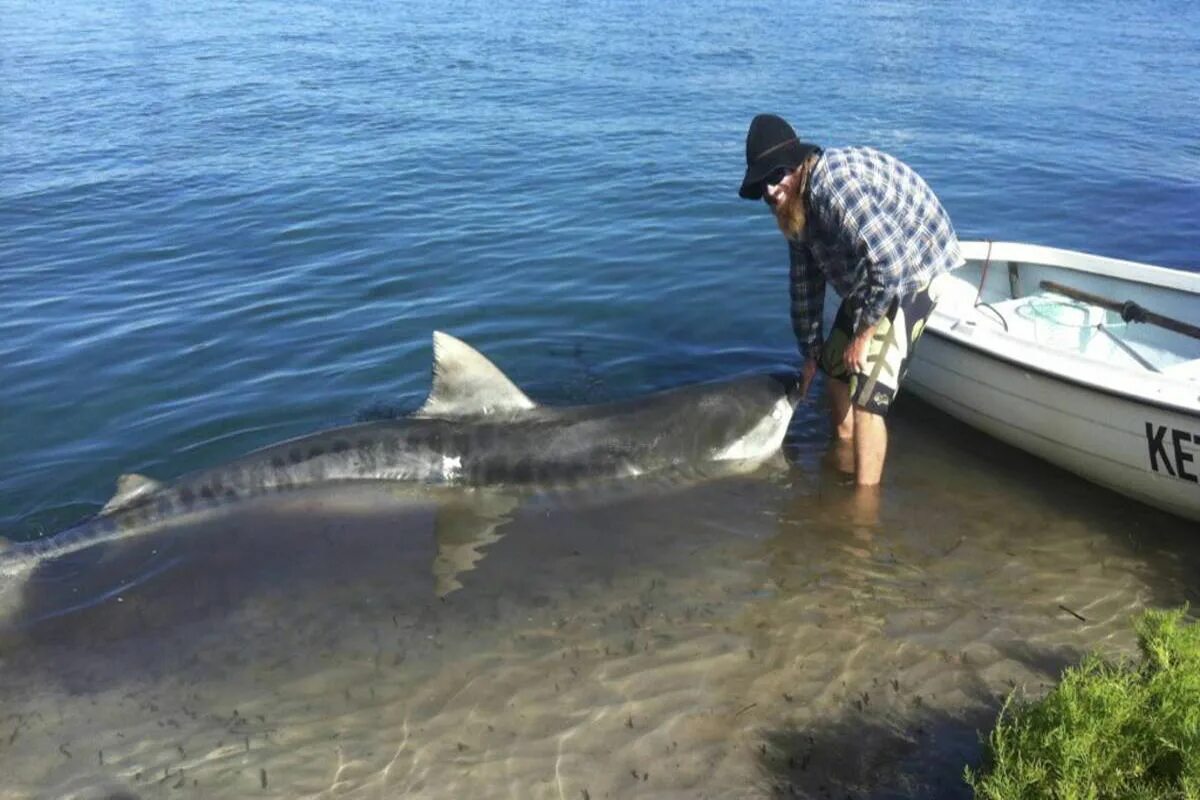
(808, 299)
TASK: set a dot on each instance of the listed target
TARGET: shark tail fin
(131, 488)
(466, 383)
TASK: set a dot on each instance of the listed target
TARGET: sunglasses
(773, 177)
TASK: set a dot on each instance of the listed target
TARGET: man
(872, 228)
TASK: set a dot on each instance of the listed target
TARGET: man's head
(774, 155)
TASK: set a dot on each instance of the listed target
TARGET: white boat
(1038, 347)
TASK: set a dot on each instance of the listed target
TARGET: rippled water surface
(230, 223)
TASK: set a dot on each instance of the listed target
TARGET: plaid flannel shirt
(875, 231)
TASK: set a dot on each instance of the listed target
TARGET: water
(228, 224)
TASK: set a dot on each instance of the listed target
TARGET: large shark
(476, 429)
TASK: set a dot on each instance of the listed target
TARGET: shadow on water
(858, 758)
(916, 751)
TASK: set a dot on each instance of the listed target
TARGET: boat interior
(1078, 312)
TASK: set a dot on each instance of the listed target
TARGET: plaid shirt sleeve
(879, 239)
(808, 299)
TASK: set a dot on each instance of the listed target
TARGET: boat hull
(1142, 451)
(1086, 402)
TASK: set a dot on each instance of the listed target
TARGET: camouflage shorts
(888, 352)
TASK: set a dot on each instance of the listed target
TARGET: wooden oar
(1129, 310)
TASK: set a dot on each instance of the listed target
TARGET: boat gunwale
(1077, 261)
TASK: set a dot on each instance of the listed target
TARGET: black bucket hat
(770, 144)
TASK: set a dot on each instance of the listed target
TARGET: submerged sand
(744, 637)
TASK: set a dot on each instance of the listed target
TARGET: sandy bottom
(745, 637)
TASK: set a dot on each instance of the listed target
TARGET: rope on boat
(987, 261)
(982, 278)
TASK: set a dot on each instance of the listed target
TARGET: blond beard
(790, 216)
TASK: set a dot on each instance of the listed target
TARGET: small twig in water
(1072, 613)
(744, 710)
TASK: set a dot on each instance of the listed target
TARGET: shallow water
(227, 224)
(742, 637)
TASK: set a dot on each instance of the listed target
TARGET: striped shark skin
(476, 429)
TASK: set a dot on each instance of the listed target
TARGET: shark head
(760, 411)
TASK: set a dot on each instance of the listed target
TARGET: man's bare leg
(865, 509)
(870, 447)
(840, 416)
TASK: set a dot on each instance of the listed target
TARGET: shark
(476, 430)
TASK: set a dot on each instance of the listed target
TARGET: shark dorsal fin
(131, 487)
(466, 384)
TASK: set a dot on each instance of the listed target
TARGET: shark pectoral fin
(461, 529)
(131, 487)
(465, 383)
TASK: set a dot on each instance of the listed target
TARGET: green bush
(1125, 731)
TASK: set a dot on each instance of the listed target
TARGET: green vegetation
(1126, 731)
